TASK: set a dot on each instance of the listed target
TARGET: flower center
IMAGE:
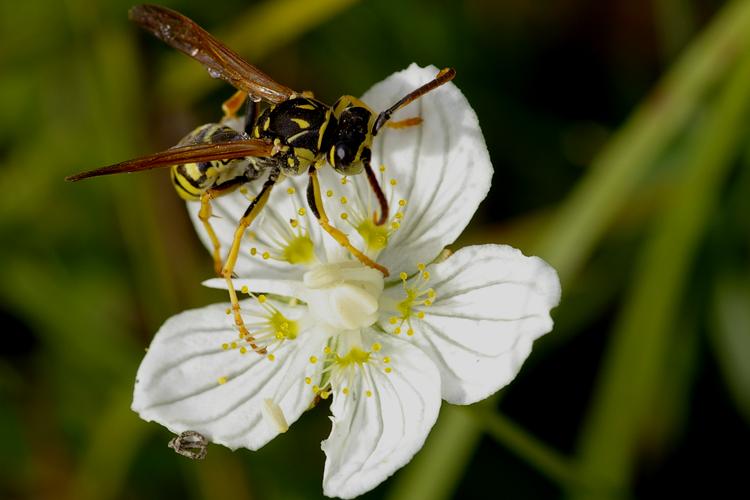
(417, 297)
(344, 295)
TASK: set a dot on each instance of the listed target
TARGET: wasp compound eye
(343, 158)
(343, 155)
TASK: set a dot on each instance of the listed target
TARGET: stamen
(416, 297)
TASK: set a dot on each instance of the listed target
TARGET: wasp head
(351, 142)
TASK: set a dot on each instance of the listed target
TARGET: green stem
(536, 453)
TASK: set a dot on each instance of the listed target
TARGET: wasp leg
(227, 272)
(316, 205)
(233, 104)
(205, 212)
(409, 122)
(375, 186)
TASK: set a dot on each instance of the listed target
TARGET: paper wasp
(295, 134)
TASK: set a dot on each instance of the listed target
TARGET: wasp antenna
(444, 76)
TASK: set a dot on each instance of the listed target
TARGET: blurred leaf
(113, 443)
(730, 336)
(588, 212)
(638, 350)
(434, 473)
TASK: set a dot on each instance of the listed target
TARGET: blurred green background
(619, 135)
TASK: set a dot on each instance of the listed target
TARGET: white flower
(385, 349)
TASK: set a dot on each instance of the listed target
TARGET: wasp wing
(222, 62)
(193, 153)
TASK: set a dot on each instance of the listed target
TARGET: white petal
(267, 231)
(178, 382)
(442, 166)
(491, 303)
(374, 436)
(289, 288)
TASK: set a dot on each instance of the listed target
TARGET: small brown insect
(190, 444)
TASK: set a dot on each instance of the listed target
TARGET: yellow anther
(397, 330)
(410, 332)
(344, 200)
(225, 346)
(293, 222)
(313, 359)
(222, 380)
(368, 394)
(253, 251)
(245, 289)
(393, 182)
(395, 225)
(343, 180)
(315, 389)
(262, 298)
(290, 190)
(308, 380)
(431, 293)
(388, 369)
(399, 215)
(345, 390)
(279, 336)
(401, 203)
(329, 193)
(345, 216)
(234, 345)
(387, 359)
(243, 350)
(393, 320)
(266, 255)
(420, 266)
(271, 357)
(426, 275)
(376, 347)
(327, 350)
(229, 311)
(420, 315)
(403, 276)
(382, 168)
(325, 394)
(302, 211)
(243, 190)
(427, 303)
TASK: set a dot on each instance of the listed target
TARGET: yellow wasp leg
(409, 122)
(316, 204)
(233, 104)
(249, 216)
(204, 214)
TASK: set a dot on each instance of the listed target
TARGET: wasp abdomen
(191, 180)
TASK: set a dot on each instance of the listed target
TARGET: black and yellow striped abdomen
(191, 180)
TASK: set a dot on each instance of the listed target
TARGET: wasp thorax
(344, 295)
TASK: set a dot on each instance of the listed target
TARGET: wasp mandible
(295, 134)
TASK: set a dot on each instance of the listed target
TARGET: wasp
(295, 134)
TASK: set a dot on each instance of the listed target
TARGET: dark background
(618, 132)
